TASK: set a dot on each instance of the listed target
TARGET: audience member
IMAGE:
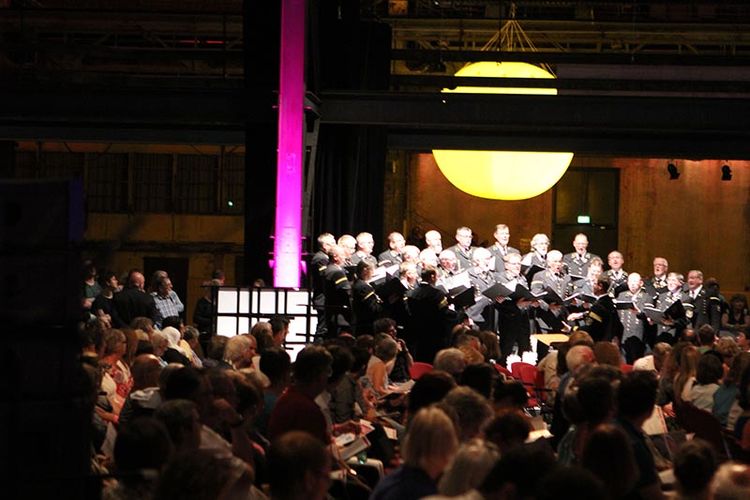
(299, 467)
(472, 410)
(694, 466)
(636, 398)
(429, 446)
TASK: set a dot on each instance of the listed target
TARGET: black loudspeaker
(41, 226)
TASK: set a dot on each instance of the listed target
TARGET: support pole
(287, 248)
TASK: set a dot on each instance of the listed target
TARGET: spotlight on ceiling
(726, 173)
(674, 174)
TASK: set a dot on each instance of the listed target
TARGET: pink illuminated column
(287, 247)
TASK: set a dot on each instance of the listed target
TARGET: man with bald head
(392, 256)
(577, 262)
(133, 301)
(144, 397)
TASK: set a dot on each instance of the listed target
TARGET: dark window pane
(233, 184)
(152, 182)
(195, 184)
(107, 185)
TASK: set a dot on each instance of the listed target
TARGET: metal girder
(670, 126)
(580, 123)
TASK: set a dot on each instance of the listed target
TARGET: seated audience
(508, 430)
(636, 398)
(450, 360)
(609, 456)
(295, 409)
(469, 468)
(428, 448)
(694, 466)
(471, 409)
(708, 375)
(299, 467)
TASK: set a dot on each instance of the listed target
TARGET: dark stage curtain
(349, 178)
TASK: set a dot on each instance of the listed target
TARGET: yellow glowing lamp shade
(502, 175)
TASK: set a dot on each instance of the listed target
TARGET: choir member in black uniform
(338, 291)
(657, 284)
(669, 330)
(554, 278)
(601, 320)
(501, 248)
(431, 318)
(594, 274)
(463, 248)
(616, 276)
(482, 277)
(349, 244)
(366, 305)
(448, 264)
(577, 263)
(513, 315)
(392, 256)
(365, 244)
(633, 320)
(538, 254)
(318, 265)
(706, 305)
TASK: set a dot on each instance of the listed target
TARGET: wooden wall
(165, 234)
(697, 221)
(439, 205)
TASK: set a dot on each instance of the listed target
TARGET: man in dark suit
(577, 263)
(501, 248)
(318, 265)
(513, 315)
(706, 306)
(337, 294)
(430, 318)
(133, 301)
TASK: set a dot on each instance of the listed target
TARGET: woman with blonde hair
(429, 446)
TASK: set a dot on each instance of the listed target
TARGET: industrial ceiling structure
(633, 77)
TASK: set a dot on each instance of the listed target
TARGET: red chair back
(525, 372)
(626, 368)
(419, 368)
(503, 371)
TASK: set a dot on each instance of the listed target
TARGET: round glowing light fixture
(503, 175)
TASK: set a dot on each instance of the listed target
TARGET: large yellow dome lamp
(503, 175)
